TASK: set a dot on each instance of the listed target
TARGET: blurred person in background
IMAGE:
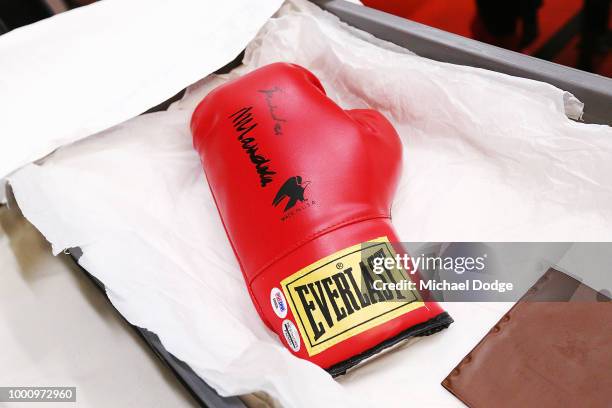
(511, 24)
(17, 13)
(595, 34)
(502, 18)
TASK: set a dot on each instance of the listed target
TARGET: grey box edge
(595, 91)
(203, 393)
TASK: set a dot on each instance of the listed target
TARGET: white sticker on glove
(279, 304)
(291, 335)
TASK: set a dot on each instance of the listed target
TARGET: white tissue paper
(488, 157)
(83, 71)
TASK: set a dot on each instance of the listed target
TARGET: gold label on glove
(340, 296)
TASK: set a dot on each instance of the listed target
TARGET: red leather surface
(348, 164)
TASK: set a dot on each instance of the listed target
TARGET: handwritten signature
(278, 121)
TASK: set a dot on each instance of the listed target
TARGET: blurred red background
(560, 24)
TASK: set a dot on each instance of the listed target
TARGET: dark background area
(576, 33)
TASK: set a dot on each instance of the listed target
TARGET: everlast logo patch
(293, 190)
(334, 298)
(243, 122)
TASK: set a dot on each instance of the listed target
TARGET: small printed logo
(291, 335)
(293, 190)
(279, 305)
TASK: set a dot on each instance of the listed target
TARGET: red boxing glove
(304, 190)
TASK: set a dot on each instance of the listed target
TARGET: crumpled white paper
(488, 157)
(83, 71)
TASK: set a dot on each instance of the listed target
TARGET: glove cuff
(324, 304)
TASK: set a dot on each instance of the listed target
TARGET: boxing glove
(304, 190)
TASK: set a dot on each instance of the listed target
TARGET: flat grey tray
(594, 90)
(203, 393)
